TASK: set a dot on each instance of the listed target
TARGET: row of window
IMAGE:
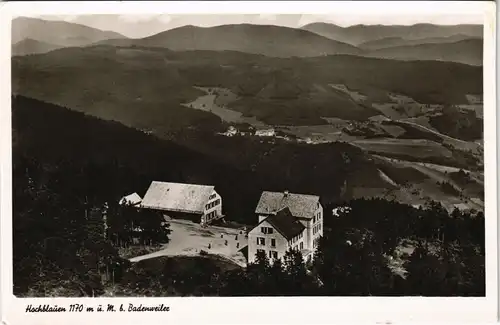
(211, 215)
(212, 196)
(266, 230)
(262, 241)
(272, 254)
(317, 217)
(300, 246)
(316, 228)
(212, 204)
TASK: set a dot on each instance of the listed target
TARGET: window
(261, 251)
(273, 242)
(273, 254)
(301, 245)
(261, 241)
(314, 219)
(266, 230)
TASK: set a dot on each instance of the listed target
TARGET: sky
(142, 25)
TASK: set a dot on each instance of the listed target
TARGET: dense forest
(70, 170)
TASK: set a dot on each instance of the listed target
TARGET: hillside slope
(274, 41)
(59, 33)
(129, 84)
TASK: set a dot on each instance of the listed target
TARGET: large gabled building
(199, 203)
(286, 221)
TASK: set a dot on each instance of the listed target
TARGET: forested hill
(105, 160)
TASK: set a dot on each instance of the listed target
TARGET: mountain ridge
(468, 51)
(31, 46)
(358, 34)
(401, 41)
(255, 39)
(60, 33)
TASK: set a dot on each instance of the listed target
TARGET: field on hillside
(409, 147)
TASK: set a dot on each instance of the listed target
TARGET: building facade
(286, 221)
(198, 203)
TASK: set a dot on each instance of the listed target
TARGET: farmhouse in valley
(265, 133)
(199, 203)
(286, 221)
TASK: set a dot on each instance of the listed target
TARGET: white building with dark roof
(286, 221)
(199, 203)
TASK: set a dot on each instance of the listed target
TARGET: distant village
(283, 220)
(268, 133)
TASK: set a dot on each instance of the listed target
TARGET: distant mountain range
(267, 40)
(461, 43)
(57, 33)
(468, 51)
(400, 41)
(359, 34)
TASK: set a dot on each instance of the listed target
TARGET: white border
(258, 310)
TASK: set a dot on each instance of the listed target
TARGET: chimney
(285, 193)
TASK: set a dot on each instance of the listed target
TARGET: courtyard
(190, 239)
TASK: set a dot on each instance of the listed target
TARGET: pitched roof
(190, 198)
(133, 199)
(300, 205)
(285, 223)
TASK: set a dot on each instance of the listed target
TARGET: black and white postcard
(238, 162)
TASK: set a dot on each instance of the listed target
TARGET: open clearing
(209, 103)
(188, 239)
(320, 133)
